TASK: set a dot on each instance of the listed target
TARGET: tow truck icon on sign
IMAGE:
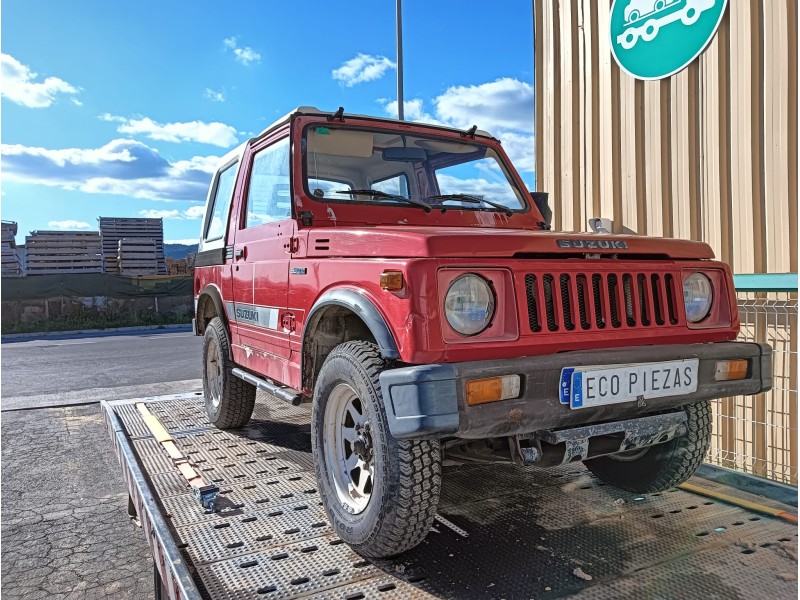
(645, 18)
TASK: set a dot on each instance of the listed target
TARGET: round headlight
(469, 304)
(697, 296)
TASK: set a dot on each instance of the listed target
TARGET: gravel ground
(65, 530)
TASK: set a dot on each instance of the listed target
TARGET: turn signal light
(392, 281)
(730, 370)
(492, 389)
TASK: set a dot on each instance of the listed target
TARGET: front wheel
(229, 400)
(380, 494)
(663, 466)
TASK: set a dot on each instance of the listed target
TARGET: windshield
(394, 169)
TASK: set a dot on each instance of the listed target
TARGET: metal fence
(758, 434)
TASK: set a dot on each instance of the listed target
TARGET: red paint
(349, 246)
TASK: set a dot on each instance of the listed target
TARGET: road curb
(38, 334)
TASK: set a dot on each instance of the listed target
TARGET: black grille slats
(599, 306)
(669, 281)
(550, 303)
(599, 301)
(644, 308)
(531, 292)
(564, 281)
(584, 304)
(630, 308)
(657, 302)
(613, 300)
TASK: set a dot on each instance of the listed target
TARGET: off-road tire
(665, 465)
(405, 492)
(238, 398)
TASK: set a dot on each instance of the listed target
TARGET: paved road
(65, 531)
(75, 369)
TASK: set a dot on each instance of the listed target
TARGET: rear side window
(268, 197)
(215, 228)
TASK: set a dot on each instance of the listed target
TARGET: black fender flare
(364, 309)
(213, 293)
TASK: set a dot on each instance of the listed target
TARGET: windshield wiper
(470, 199)
(380, 194)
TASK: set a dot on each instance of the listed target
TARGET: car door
(261, 257)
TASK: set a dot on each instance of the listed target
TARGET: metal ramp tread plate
(528, 529)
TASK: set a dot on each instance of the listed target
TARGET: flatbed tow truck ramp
(502, 531)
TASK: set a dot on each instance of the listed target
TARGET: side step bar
(291, 396)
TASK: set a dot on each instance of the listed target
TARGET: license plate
(585, 387)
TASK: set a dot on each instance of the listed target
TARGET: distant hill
(178, 251)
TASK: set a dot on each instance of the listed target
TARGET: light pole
(399, 60)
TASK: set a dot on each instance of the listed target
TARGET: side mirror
(540, 199)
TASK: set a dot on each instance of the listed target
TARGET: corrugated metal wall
(708, 154)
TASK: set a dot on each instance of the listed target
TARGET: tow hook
(562, 446)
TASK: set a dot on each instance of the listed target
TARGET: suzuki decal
(249, 314)
(593, 244)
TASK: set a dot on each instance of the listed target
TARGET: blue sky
(120, 109)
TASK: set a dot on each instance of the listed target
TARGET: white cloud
(183, 242)
(503, 107)
(362, 68)
(413, 110)
(214, 96)
(206, 164)
(121, 167)
(194, 212)
(245, 55)
(497, 191)
(521, 149)
(19, 85)
(216, 134)
(502, 104)
(191, 213)
(76, 102)
(160, 214)
(68, 225)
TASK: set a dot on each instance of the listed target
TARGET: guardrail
(758, 434)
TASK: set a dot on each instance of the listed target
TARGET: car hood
(453, 242)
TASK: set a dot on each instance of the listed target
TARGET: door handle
(240, 252)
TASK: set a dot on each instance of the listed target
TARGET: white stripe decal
(265, 317)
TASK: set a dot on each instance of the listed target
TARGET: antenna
(400, 111)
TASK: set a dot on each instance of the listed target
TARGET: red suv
(401, 278)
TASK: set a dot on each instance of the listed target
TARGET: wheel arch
(356, 318)
(210, 305)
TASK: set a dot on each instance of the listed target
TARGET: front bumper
(428, 401)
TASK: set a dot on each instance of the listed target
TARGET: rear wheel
(663, 466)
(229, 400)
(381, 494)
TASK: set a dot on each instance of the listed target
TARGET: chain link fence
(758, 434)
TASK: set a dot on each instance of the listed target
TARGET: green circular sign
(653, 39)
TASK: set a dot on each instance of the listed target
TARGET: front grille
(597, 301)
(533, 307)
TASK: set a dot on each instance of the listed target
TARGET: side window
(397, 185)
(268, 196)
(216, 226)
